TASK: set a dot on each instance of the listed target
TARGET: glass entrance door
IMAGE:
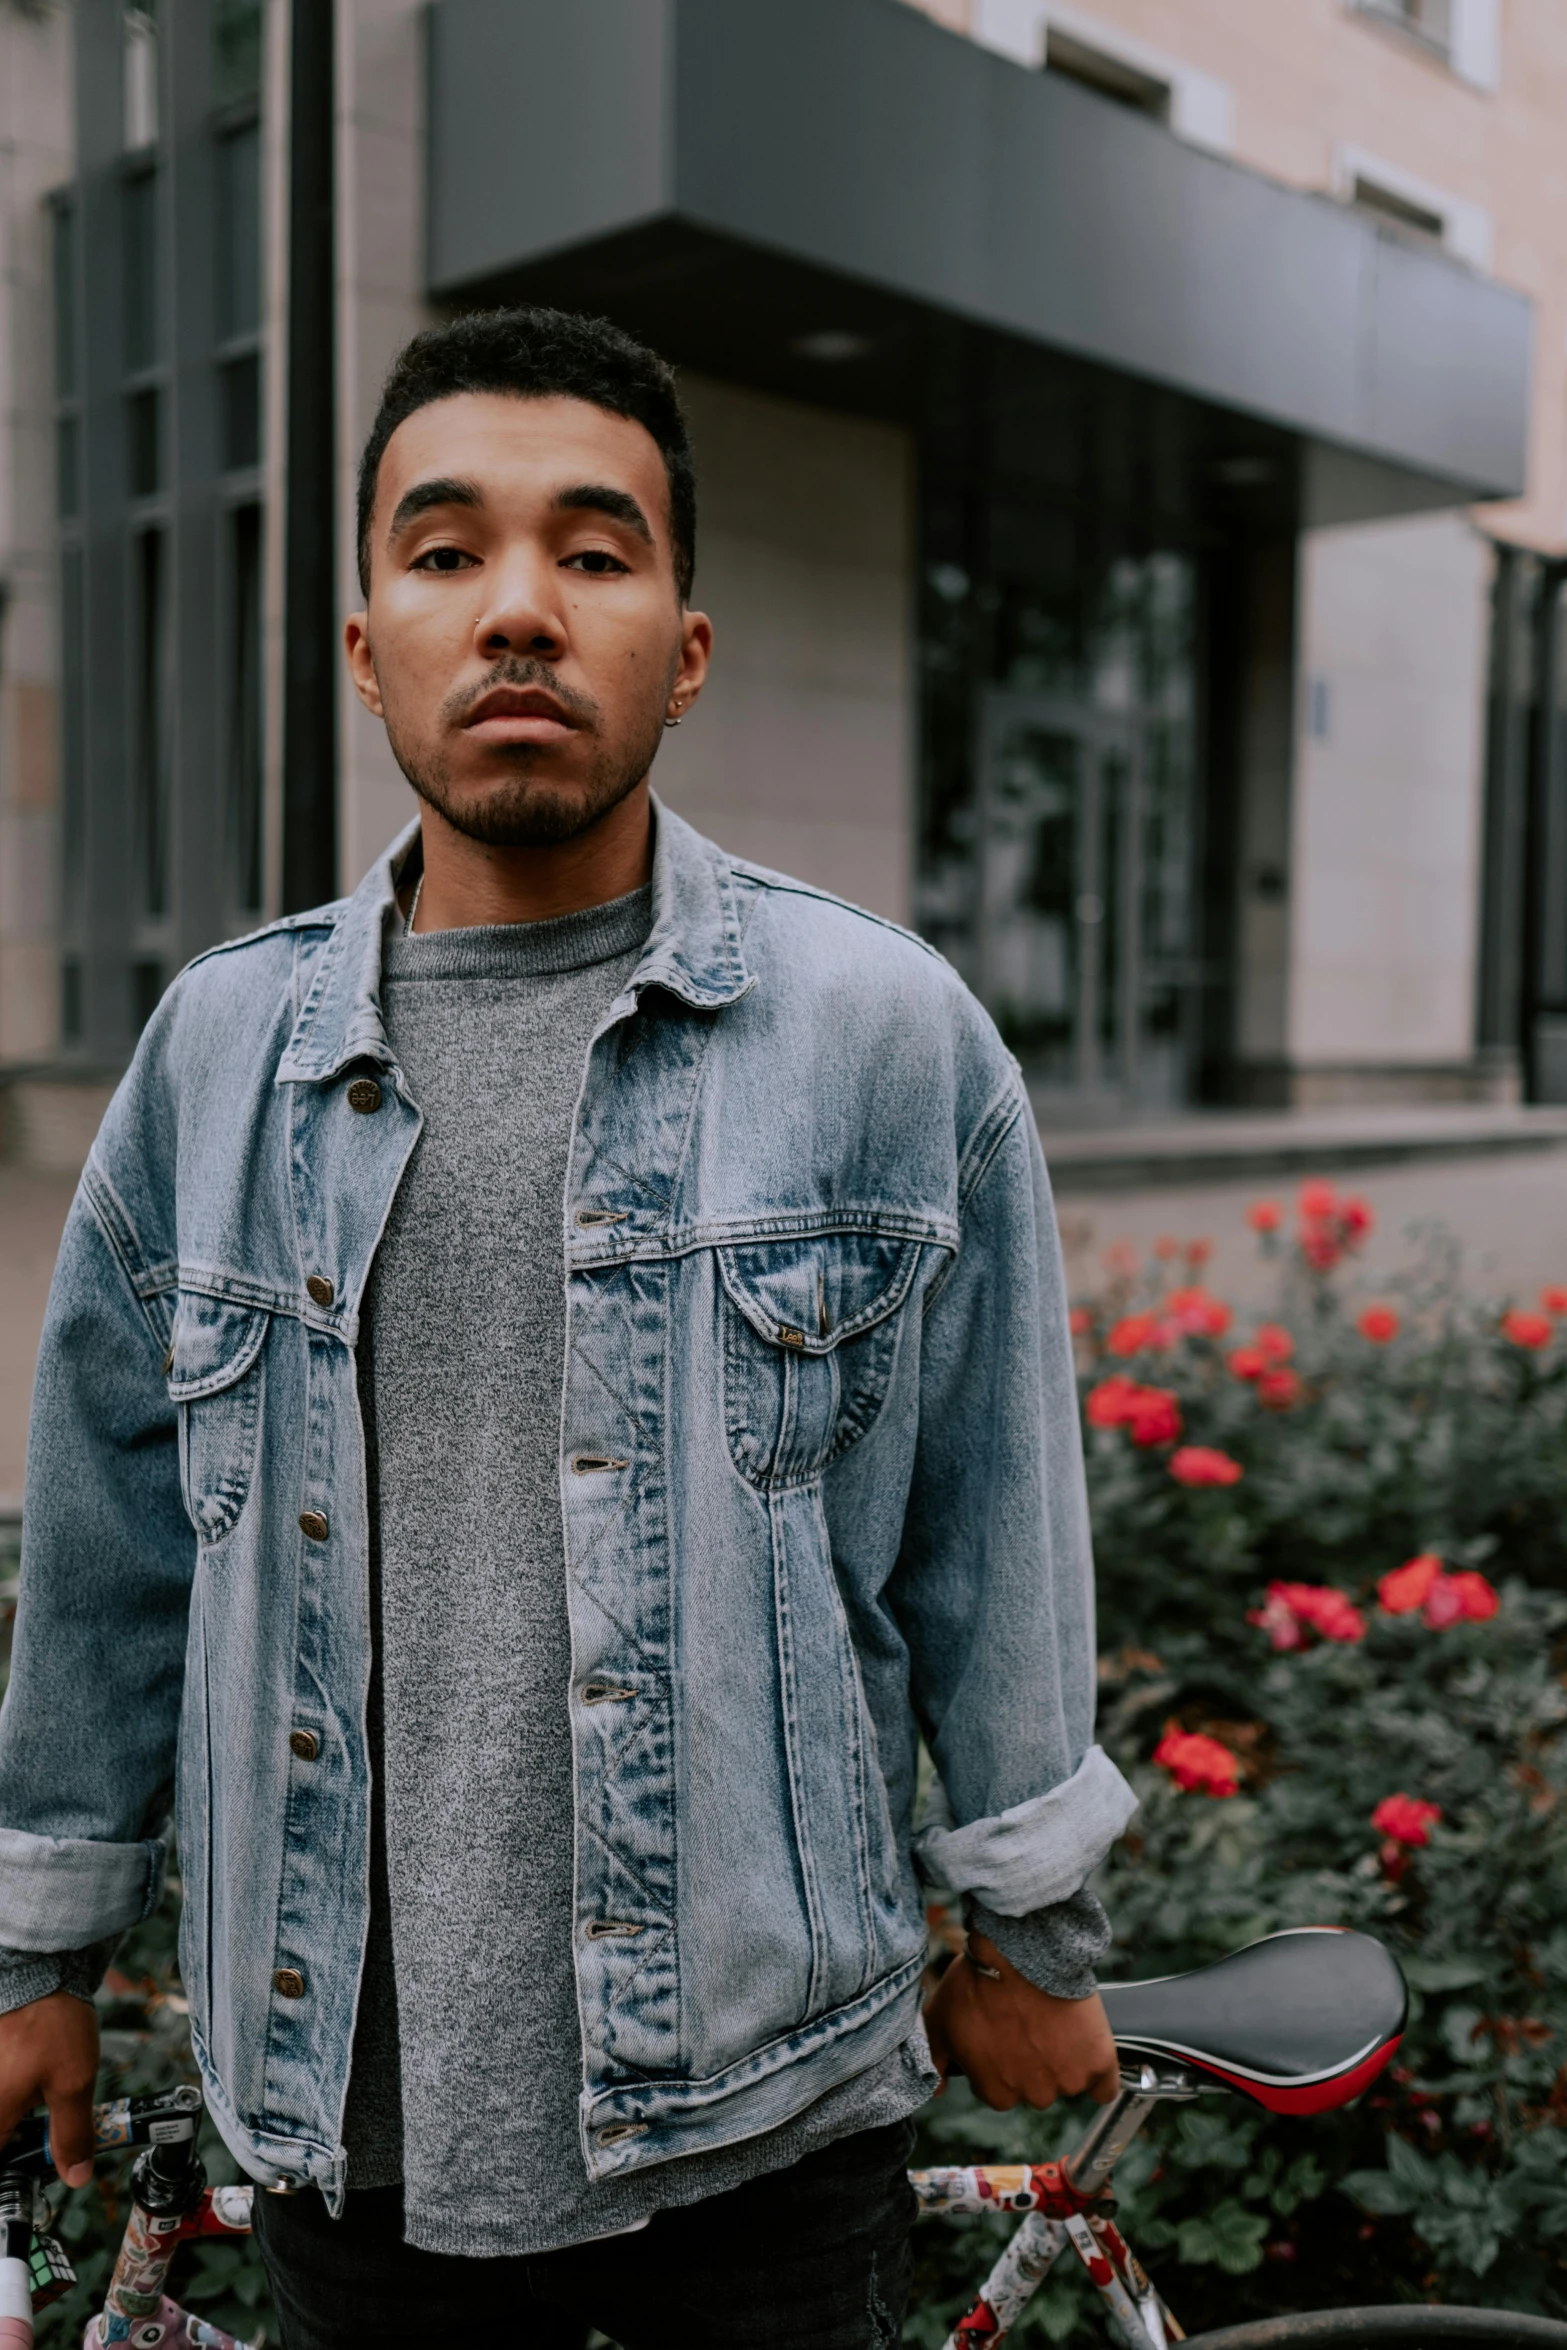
(1074, 869)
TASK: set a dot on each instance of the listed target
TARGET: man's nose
(524, 613)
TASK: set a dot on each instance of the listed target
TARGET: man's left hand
(1018, 2045)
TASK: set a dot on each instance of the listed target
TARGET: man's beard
(521, 809)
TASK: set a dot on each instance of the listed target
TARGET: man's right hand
(49, 2056)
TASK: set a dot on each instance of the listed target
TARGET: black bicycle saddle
(1300, 2022)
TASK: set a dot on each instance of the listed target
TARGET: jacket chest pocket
(215, 1377)
(810, 1335)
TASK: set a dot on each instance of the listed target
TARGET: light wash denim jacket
(819, 1470)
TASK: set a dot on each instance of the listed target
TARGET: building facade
(1131, 452)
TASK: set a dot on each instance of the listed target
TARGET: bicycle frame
(1066, 2204)
(170, 2203)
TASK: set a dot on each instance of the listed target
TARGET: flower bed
(1331, 1565)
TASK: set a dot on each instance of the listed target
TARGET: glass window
(236, 50)
(241, 389)
(73, 796)
(139, 51)
(71, 1000)
(64, 302)
(150, 654)
(244, 725)
(146, 988)
(67, 467)
(139, 277)
(143, 445)
(239, 232)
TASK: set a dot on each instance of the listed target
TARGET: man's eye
(442, 559)
(596, 560)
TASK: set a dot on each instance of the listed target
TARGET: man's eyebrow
(595, 497)
(444, 490)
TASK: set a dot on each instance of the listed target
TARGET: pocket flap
(812, 1294)
(215, 1343)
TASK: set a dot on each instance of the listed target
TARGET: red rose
(1274, 1341)
(1356, 1218)
(1197, 1763)
(1526, 1329)
(1248, 1362)
(1081, 1321)
(1154, 1416)
(1317, 1198)
(1279, 1621)
(1201, 1464)
(1406, 1819)
(1198, 1251)
(1109, 1404)
(1331, 1613)
(1280, 1391)
(1264, 1215)
(1409, 1586)
(1553, 1301)
(1379, 1324)
(1135, 1332)
(1197, 1313)
(1320, 1246)
(1478, 1599)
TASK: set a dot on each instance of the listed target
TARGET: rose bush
(1333, 1671)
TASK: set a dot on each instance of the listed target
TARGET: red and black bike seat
(1301, 2022)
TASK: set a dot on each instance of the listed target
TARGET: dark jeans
(815, 2257)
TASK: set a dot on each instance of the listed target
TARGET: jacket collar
(693, 950)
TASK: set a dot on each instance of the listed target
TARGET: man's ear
(361, 666)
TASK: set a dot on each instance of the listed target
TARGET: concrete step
(1211, 1145)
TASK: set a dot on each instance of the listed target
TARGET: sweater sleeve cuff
(1056, 1948)
(25, 1976)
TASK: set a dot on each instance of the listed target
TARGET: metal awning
(744, 178)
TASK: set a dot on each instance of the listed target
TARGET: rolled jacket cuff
(61, 1893)
(1039, 1852)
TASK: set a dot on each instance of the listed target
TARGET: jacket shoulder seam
(785, 885)
(286, 925)
(109, 1213)
(990, 1130)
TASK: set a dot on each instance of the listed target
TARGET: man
(557, 1376)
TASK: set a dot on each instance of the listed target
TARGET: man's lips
(513, 714)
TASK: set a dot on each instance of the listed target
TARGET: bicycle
(1301, 2023)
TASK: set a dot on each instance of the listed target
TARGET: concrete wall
(380, 254)
(35, 156)
(1389, 759)
(800, 754)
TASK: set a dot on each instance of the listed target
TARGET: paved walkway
(1509, 1210)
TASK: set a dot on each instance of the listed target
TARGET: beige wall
(1387, 793)
(35, 96)
(800, 753)
(380, 273)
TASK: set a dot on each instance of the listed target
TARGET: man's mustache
(514, 670)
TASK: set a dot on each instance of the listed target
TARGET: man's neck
(467, 882)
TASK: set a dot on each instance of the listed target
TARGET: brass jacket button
(320, 1288)
(313, 1523)
(289, 1983)
(305, 1744)
(364, 1095)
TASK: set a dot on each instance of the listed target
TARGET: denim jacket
(819, 1472)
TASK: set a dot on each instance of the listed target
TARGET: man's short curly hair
(540, 355)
